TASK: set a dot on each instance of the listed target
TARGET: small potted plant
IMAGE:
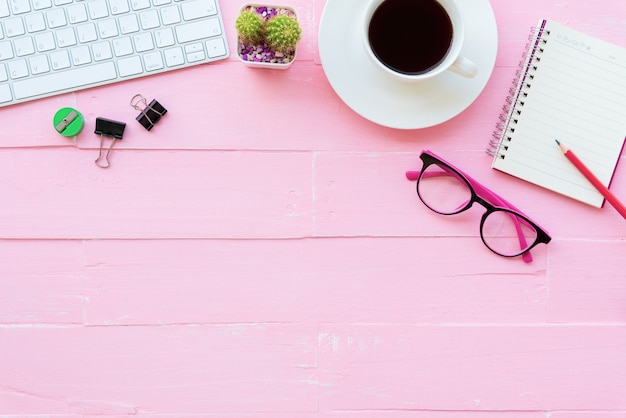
(267, 36)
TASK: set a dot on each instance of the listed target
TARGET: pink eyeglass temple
(493, 198)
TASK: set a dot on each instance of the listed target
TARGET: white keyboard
(49, 47)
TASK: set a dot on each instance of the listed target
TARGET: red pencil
(608, 195)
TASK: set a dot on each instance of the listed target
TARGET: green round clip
(68, 121)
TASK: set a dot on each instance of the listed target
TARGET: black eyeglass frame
(499, 204)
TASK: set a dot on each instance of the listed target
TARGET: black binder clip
(150, 113)
(111, 128)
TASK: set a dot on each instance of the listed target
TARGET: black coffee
(410, 36)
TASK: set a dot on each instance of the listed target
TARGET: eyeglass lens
(445, 192)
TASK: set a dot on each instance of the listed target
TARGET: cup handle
(464, 67)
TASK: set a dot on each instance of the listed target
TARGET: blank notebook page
(572, 88)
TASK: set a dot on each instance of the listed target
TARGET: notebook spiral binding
(521, 85)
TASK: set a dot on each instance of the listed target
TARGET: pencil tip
(557, 142)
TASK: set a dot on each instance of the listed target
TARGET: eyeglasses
(446, 190)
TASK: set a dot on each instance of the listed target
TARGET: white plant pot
(262, 64)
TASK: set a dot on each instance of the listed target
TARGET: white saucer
(398, 104)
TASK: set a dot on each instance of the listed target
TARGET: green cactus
(282, 33)
(250, 26)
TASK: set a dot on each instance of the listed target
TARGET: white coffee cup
(415, 40)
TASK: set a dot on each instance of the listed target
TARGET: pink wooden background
(260, 254)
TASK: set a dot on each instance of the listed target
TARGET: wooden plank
(589, 414)
(154, 195)
(357, 414)
(361, 280)
(373, 197)
(346, 414)
(184, 369)
(583, 288)
(270, 113)
(521, 368)
(41, 282)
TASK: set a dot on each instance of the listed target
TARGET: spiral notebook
(570, 87)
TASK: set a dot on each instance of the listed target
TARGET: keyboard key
(86, 33)
(196, 9)
(18, 69)
(216, 48)
(44, 42)
(170, 15)
(24, 46)
(80, 55)
(164, 38)
(198, 30)
(77, 13)
(97, 9)
(34, 22)
(3, 73)
(41, 4)
(129, 66)
(195, 47)
(5, 93)
(101, 51)
(107, 28)
(149, 19)
(56, 18)
(128, 24)
(122, 47)
(14, 27)
(196, 56)
(20, 6)
(140, 4)
(60, 60)
(153, 61)
(67, 80)
(143, 42)
(119, 6)
(66, 37)
(39, 64)
(6, 50)
(4, 8)
(174, 57)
